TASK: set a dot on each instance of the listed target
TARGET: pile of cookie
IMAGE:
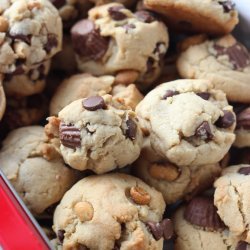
(126, 125)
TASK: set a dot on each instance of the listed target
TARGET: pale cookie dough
(115, 41)
(232, 200)
(33, 82)
(112, 211)
(198, 227)
(215, 17)
(30, 33)
(224, 61)
(175, 183)
(97, 133)
(2, 100)
(77, 87)
(187, 120)
(40, 183)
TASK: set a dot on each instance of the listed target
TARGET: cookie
(187, 120)
(215, 17)
(231, 199)
(224, 61)
(79, 86)
(2, 100)
(40, 183)
(107, 42)
(97, 133)
(128, 95)
(31, 33)
(127, 3)
(31, 83)
(198, 227)
(119, 210)
(175, 183)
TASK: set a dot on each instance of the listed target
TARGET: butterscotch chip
(84, 211)
(3, 24)
(139, 196)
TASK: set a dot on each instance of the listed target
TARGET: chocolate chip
(243, 119)
(227, 5)
(60, 235)
(238, 55)
(145, 16)
(94, 103)
(225, 121)
(204, 95)
(21, 37)
(115, 13)
(51, 42)
(244, 171)
(58, 3)
(70, 136)
(201, 212)
(87, 40)
(242, 245)
(168, 229)
(204, 131)
(129, 27)
(170, 93)
(131, 129)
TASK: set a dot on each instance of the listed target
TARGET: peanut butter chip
(139, 196)
(84, 211)
(166, 172)
(4, 25)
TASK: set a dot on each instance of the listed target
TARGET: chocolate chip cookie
(224, 61)
(97, 133)
(113, 40)
(187, 120)
(119, 210)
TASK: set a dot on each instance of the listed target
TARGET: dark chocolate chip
(204, 95)
(156, 229)
(201, 212)
(168, 229)
(243, 119)
(116, 14)
(227, 5)
(24, 38)
(170, 93)
(87, 41)
(145, 16)
(94, 103)
(60, 235)
(204, 131)
(58, 3)
(244, 171)
(242, 245)
(70, 136)
(131, 129)
(225, 121)
(51, 43)
(129, 27)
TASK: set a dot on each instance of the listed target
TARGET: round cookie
(215, 17)
(187, 120)
(112, 211)
(175, 183)
(198, 227)
(2, 100)
(31, 33)
(97, 133)
(232, 202)
(224, 61)
(127, 3)
(40, 183)
(107, 42)
(31, 83)
(77, 87)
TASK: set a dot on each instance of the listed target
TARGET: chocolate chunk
(204, 95)
(201, 212)
(70, 136)
(58, 3)
(238, 55)
(244, 171)
(204, 131)
(115, 13)
(242, 245)
(21, 37)
(170, 93)
(168, 229)
(51, 43)
(227, 5)
(225, 121)
(60, 235)
(94, 103)
(243, 119)
(131, 129)
(129, 27)
(145, 16)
